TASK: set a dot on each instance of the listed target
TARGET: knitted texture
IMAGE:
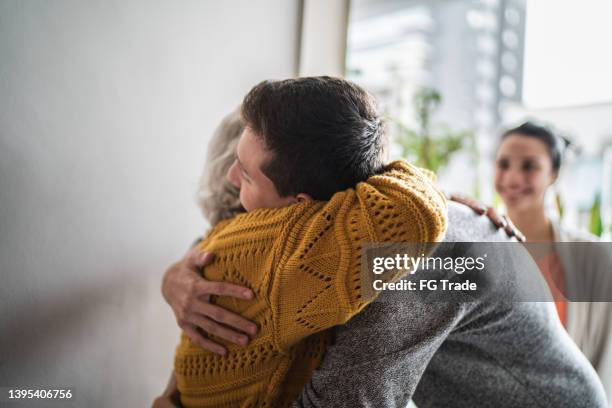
(303, 262)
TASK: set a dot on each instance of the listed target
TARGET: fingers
(197, 338)
(226, 317)
(195, 313)
(196, 259)
(498, 220)
(205, 287)
(475, 205)
(512, 231)
(204, 258)
(212, 327)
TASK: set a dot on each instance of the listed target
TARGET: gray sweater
(488, 352)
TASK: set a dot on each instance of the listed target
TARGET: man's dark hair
(324, 133)
(555, 145)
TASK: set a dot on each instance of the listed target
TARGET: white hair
(217, 198)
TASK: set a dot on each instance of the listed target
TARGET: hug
(270, 299)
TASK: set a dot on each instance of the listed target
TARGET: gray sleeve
(588, 269)
(596, 339)
(369, 365)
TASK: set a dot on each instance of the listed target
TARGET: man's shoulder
(464, 225)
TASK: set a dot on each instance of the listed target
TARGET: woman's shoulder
(259, 225)
(562, 233)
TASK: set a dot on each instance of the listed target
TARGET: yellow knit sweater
(303, 262)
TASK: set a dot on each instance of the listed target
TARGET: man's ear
(303, 198)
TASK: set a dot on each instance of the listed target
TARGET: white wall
(105, 111)
(323, 37)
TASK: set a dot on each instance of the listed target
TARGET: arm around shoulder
(317, 283)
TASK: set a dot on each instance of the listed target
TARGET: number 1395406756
(51, 393)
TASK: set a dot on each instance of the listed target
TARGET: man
(438, 328)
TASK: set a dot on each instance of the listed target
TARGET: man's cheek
(244, 200)
(250, 200)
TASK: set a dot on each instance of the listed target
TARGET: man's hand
(188, 293)
(500, 221)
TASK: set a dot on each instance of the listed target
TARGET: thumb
(203, 258)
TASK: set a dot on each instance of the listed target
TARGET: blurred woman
(528, 162)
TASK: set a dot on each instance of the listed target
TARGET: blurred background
(106, 108)
(461, 71)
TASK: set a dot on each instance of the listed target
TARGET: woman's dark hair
(556, 145)
(325, 134)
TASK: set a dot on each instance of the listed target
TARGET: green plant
(430, 146)
(596, 224)
(559, 205)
